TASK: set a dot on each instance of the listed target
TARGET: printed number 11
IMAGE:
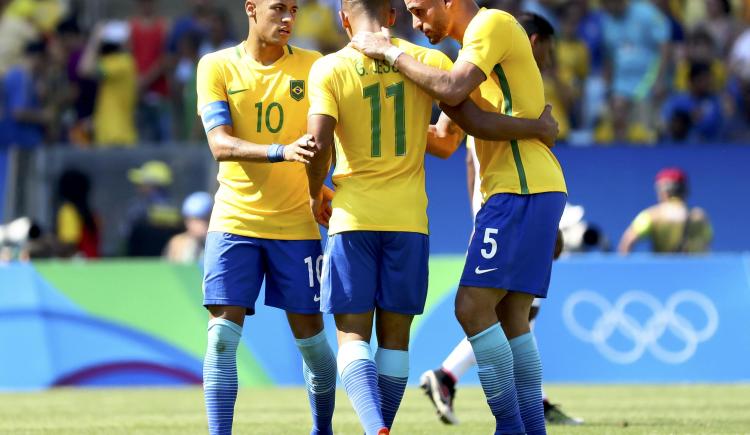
(396, 91)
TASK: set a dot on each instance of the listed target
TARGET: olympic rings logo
(644, 336)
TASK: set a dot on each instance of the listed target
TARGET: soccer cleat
(384, 431)
(440, 388)
(554, 415)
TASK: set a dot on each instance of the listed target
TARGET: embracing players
(509, 258)
(252, 98)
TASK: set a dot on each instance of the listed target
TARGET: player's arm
(453, 87)
(639, 228)
(444, 137)
(450, 87)
(226, 147)
(495, 127)
(321, 127)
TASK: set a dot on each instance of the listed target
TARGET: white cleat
(440, 393)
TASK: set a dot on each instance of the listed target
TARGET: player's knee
(223, 335)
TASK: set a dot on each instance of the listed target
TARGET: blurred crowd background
(80, 77)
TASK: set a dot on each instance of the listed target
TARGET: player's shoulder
(303, 55)
(336, 60)
(219, 57)
(425, 55)
(495, 16)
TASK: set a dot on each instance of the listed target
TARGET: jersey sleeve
(211, 86)
(642, 224)
(322, 90)
(488, 41)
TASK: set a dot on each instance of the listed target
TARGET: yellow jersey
(114, 112)
(497, 44)
(381, 137)
(268, 104)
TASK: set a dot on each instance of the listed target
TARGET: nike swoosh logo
(316, 298)
(235, 91)
(479, 271)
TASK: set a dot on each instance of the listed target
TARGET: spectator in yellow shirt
(106, 58)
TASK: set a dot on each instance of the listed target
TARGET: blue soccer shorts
(364, 270)
(235, 267)
(513, 243)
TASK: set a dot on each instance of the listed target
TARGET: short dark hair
(698, 69)
(371, 7)
(535, 24)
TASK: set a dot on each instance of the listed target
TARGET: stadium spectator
(572, 63)
(148, 40)
(151, 219)
(106, 59)
(700, 48)
(671, 225)
(82, 90)
(544, 8)
(701, 103)
(591, 31)
(636, 36)
(77, 226)
(316, 28)
(187, 247)
(185, 97)
(195, 22)
(16, 32)
(22, 116)
(723, 26)
(218, 32)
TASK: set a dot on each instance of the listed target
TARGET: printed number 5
(317, 271)
(488, 233)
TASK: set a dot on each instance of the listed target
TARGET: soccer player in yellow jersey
(509, 258)
(252, 98)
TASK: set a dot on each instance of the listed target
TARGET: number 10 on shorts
(489, 239)
(316, 271)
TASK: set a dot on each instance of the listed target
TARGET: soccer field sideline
(607, 409)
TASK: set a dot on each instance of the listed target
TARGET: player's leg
(527, 366)
(358, 370)
(292, 284)
(232, 279)
(392, 360)
(403, 278)
(475, 311)
(349, 280)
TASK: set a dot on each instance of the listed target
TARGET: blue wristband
(275, 153)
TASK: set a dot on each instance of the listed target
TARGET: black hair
(698, 69)
(535, 24)
(38, 46)
(74, 187)
(69, 26)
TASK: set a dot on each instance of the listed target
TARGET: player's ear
(345, 23)
(250, 8)
(391, 17)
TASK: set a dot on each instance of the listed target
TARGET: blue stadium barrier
(613, 184)
(638, 319)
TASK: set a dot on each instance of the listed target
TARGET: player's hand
(372, 45)
(548, 127)
(321, 207)
(301, 150)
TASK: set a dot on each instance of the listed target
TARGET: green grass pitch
(626, 410)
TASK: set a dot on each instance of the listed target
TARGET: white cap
(116, 32)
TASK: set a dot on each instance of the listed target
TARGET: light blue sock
(495, 367)
(360, 378)
(527, 370)
(319, 368)
(393, 373)
(220, 375)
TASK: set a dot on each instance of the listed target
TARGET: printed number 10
(396, 91)
(314, 272)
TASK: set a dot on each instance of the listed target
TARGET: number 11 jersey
(381, 136)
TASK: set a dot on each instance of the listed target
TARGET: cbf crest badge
(297, 89)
